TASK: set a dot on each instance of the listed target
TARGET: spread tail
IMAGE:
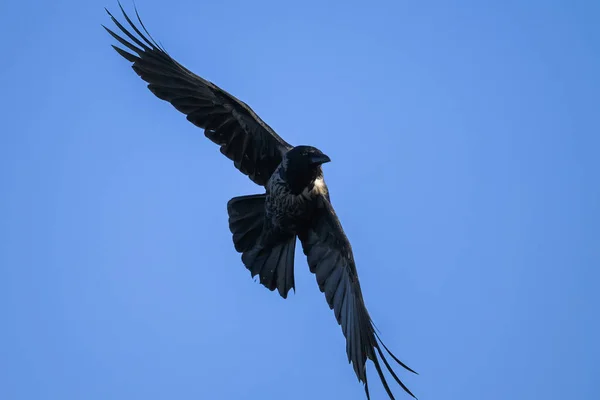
(273, 262)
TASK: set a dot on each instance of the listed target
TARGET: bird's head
(303, 166)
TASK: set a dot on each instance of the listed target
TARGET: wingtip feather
(128, 56)
(394, 357)
(391, 371)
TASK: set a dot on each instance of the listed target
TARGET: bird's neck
(300, 180)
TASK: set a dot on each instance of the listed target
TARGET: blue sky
(464, 140)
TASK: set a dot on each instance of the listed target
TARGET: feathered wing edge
(330, 258)
(369, 343)
(149, 44)
(388, 367)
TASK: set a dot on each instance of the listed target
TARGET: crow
(296, 202)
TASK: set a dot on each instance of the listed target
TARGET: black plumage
(296, 202)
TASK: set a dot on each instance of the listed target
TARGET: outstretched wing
(248, 141)
(330, 258)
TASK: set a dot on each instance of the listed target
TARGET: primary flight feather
(296, 202)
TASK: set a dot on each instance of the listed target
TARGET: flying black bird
(296, 201)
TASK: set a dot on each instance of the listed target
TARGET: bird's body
(293, 194)
(295, 205)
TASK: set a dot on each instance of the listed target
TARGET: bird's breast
(286, 209)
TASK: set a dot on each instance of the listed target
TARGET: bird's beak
(319, 159)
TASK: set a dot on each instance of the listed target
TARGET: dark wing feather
(330, 258)
(247, 140)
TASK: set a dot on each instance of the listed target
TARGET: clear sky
(464, 141)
